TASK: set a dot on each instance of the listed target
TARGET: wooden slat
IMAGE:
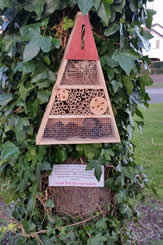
(77, 116)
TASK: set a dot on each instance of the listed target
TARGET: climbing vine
(32, 41)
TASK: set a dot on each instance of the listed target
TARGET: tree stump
(79, 201)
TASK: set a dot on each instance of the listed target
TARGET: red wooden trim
(78, 50)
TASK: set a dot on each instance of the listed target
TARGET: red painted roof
(78, 49)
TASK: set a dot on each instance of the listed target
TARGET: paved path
(156, 95)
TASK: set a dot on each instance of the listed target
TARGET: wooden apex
(81, 45)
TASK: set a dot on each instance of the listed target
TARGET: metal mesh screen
(78, 128)
(80, 72)
(78, 102)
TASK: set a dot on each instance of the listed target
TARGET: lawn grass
(149, 146)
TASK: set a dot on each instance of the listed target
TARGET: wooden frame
(67, 119)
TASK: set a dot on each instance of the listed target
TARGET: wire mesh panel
(78, 128)
(80, 102)
(80, 72)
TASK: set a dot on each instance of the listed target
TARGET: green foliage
(31, 48)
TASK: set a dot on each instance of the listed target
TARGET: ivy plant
(32, 41)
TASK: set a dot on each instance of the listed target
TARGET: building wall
(156, 50)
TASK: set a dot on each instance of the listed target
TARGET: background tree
(33, 38)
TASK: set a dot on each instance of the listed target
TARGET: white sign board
(74, 175)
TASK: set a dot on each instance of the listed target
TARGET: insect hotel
(79, 110)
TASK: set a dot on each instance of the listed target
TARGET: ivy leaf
(38, 6)
(101, 225)
(68, 23)
(133, 5)
(119, 7)
(145, 80)
(52, 5)
(91, 164)
(116, 85)
(99, 239)
(56, 43)
(31, 50)
(20, 129)
(112, 29)
(89, 150)
(139, 113)
(104, 13)
(5, 99)
(60, 155)
(43, 96)
(98, 172)
(150, 13)
(9, 150)
(128, 84)
(29, 32)
(46, 44)
(126, 60)
(50, 203)
(45, 166)
(143, 39)
(85, 5)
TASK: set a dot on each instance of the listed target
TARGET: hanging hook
(82, 36)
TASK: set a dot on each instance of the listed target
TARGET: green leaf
(150, 13)
(40, 77)
(60, 155)
(9, 150)
(128, 84)
(133, 5)
(20, 129)
(43, 96)
(46, 44)
(107, 60)
(112, 29)
(5, 98)
(38, 6)
(29, 32)
(91, 164)
(25, 67)
(24, 91)
(122, 196)
(99, 239)
(145, 80)
(139, 113)
(98, 172)
(85, 5)
(52, 5)
(46, 166)
(116, 85)
(31, 50)
(119, 7)
(126, 60)
(56, 43)
(144, 40)
(104, 13)
(101, 225)
(68, 23)
(50, 203)
(5, 4)
(89, 150)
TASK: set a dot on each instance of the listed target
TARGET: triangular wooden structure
(79, 110)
